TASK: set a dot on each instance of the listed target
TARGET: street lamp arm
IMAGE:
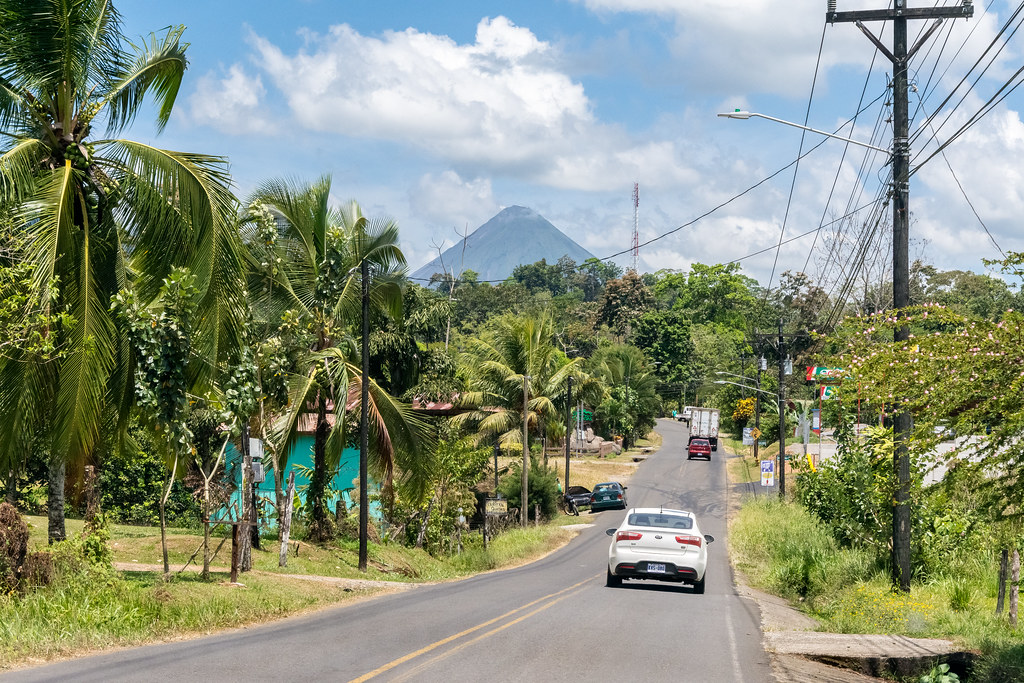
(744, 115)
(723, 381)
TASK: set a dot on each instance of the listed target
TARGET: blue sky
(441, 114)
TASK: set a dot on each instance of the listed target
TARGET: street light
(762, 391)
(744, 115)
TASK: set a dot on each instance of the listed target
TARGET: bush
(543, 489)
(1002, 665)
(784, 549)
(13, 547)
(131, 485)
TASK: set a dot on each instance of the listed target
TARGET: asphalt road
(550, 620)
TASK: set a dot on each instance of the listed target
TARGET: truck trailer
(704, 425)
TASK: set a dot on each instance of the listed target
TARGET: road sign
(587, 414)
(748, 436)
(767, 473)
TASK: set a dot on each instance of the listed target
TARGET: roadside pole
(568, 427)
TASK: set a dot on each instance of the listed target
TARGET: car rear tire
(698, 586)
(612, 581)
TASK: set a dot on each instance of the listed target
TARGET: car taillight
(690, 540)
(628, 536)
(591, 499)
(619, 496)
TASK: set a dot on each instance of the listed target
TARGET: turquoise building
(344, 484)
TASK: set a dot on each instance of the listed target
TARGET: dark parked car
(699, 448)
(608, 495)
(579, 494)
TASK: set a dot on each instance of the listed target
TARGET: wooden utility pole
(900, 57)
(782, 413)
(526, 454)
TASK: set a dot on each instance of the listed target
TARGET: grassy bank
(91, 608)
(94, 608)
(782, 550)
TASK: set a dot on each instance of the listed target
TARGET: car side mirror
(610, 532)
(709, 538)
(624, 488)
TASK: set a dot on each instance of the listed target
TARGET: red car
(699, 447)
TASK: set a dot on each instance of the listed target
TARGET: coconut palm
(497, 361)
(98, 214)
(633, 402)
(306, 269)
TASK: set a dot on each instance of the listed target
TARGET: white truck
(704, 425)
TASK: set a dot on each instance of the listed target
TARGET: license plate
(655, 568)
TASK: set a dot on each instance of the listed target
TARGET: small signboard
(767, 473)
(748, 436)
(496, 506)
(828, 392)
(816, 420)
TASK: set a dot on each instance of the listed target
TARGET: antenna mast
(636, 224)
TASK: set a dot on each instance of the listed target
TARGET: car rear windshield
(662, 521)
(606, 487)
(701, 442)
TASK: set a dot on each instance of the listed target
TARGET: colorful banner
(817, 373)
(828, 392)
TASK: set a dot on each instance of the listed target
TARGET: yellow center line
(433, 660)
(444, 641)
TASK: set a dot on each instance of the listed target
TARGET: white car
(658, 544)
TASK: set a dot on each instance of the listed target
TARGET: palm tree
(633, 401)
(306, 268)
(497, 361)
(99, 214)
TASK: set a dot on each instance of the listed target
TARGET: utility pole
(524, 498)
(782, 414)
(761, 366)
(568, 427)
(364, 414)
(900, 56)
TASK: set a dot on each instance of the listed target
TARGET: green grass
(89, 609)
(780, 548)
(98, 610)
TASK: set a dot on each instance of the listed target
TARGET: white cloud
(230, 103)
(451, 203)
(498, 105)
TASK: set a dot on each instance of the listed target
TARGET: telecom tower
(636, 224)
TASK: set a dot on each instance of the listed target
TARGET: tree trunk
(1014, 586)
(206, 529)
(421, 536)
(244, 536)
(163, 537)
(56, 530)
(164, 495)
(286, 520)
(320, 524)
(1001, 594)
(92, 495)
(12, 487)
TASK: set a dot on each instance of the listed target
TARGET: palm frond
(302, 390)
(48, 222)
(183, 214)
(19, 165)
(159, 68)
